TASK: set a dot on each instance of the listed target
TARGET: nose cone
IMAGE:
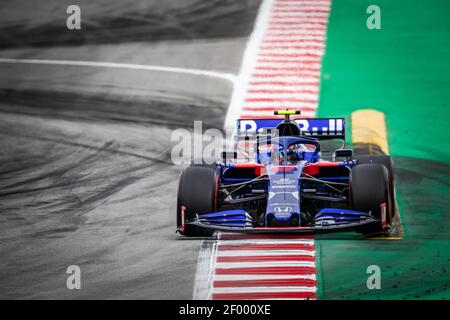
(283, 219)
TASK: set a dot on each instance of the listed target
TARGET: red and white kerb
(282, 61)
(258, 267)
(280, 69)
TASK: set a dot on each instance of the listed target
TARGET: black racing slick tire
(389, 164)
(197, 193)
(369, 190)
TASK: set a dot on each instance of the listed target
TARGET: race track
(86, 117)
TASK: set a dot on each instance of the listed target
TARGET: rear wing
(321, 128)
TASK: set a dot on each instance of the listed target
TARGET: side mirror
(343, 153)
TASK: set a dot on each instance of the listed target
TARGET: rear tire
(389, 164)
(369, 188)
(197, 193)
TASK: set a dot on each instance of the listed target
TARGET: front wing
(284, 230)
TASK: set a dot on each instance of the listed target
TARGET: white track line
(205, 271)
(205, 73)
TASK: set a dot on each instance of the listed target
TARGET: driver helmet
(292, 153)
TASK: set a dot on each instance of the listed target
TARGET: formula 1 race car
(292, 178)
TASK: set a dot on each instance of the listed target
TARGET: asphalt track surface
(85, 171)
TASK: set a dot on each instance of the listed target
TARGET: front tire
(389, 164)
(369, 190)
(197, 193)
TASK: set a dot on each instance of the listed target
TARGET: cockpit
(276, 153)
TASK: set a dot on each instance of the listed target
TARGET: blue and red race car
(290, 177)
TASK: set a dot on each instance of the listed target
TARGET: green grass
(404, 71)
